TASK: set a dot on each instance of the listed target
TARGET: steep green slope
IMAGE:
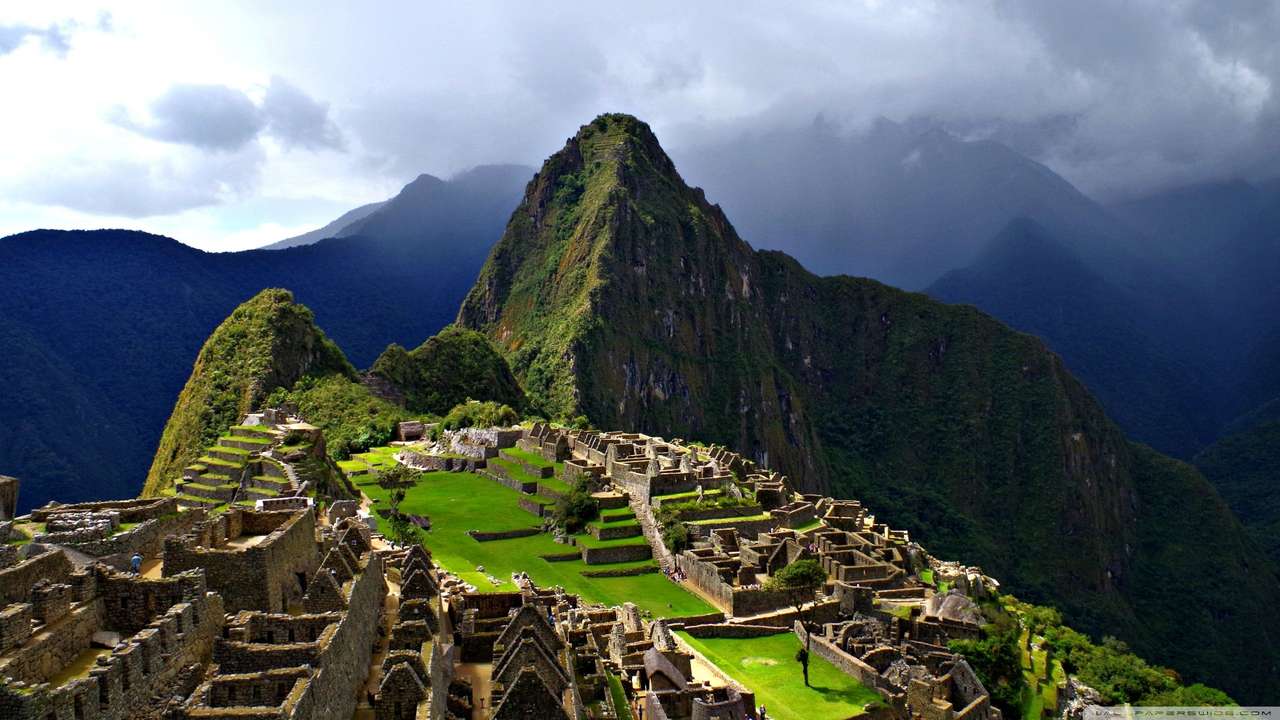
(619, 292)
(267, 343)
(449, 368)
(1031, 281)
(1245, 468)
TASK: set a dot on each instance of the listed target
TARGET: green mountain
(270, 352)
(1033, 282)
(445, 370)
(1244, 465)
(269, 342)
(621, 293)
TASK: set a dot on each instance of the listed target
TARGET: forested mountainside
(1244, 465)
(620, 293)
(1104, 332)
(266, 343)
(121, 315)
(269, 351)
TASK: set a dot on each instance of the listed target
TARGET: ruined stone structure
(104, 644)
(251, 604)
(255, 560)
(8, 498)
(301, 666)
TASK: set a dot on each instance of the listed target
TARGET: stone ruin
(280, 611)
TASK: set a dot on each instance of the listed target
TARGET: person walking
(136, 563)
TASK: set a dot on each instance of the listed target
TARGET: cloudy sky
(228, 125)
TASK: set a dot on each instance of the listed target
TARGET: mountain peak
(598, 213)
(268, 342)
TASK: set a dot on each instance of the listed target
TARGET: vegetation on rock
(577, 508)
(268, 342)
(453, 366)
(474, 413)
(1245, 469)
(1022, 640)
(352, 418)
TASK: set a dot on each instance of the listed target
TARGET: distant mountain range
(333, 229)
(99, 329)
(901, 203)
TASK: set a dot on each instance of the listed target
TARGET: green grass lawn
(619, 698)
(743, 518)
(458, 502)
(809, 526)
(530, 457)
(1042, 675)
(691, 495)
(768, 667)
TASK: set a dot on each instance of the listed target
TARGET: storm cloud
(350, 101)
(213, 117)
(217, 117)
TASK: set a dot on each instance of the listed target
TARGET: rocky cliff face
(621, 293)
(268, 342)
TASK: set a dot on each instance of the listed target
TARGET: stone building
(104, 644)
(255, 560)
(307, 665)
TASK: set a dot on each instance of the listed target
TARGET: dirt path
(481, 686)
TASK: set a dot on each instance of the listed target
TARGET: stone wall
(267, 576)
(846, 663)
(16, 581)
(616, 554)
(745, 528)
(754, 602)
(479, 536)
(8, 497)
(122, 683)
(146, 539)
(338, 657)
(707, 579)
(133, 510)
(15, 625)
(38, 661)
(734, 630)
(345, 664)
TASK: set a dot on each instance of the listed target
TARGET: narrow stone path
(644, 514)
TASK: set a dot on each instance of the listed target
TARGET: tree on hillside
(801, 581)
(573, 511)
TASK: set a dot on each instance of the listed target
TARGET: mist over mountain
(333, 229)
(901, 203)
(101, 327)
(1223, 240)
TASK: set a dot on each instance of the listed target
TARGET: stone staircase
(235, 469)
(272, 479)
(649, 526)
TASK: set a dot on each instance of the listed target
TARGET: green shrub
(480, 414)
(676, 537)
(352, 418)
(449, 368)
(576, 509)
